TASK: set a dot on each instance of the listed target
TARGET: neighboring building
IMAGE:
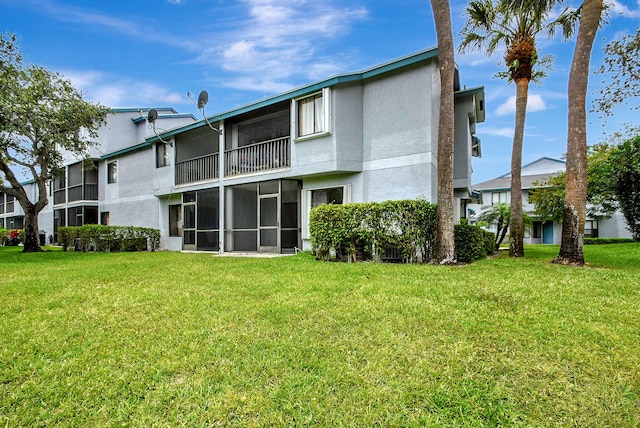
(249, 187)
(549, 232)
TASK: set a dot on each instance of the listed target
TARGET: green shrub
(600, 241)
(96, 237)
(372, 228)
(489, 241)
(470, 242)
(4, 236)
(11, 237)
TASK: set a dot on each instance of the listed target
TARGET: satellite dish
(203, 98)
(152, 115)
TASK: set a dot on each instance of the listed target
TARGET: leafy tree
(41, 116)
(514, 25)
(575, 202)
(622, 64)
(625, 178)
(499, 214)
(445, 243)
(548, 197)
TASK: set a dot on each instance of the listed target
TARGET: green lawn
(170, 339)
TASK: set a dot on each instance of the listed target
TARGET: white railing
(197, 169)
(263, 156)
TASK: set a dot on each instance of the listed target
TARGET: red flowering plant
(14, 238)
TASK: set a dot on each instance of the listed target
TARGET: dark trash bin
(43, 237)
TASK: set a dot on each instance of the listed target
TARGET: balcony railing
(197, 169)
(88, 192)
(264, 156)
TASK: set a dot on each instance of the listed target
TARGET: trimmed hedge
(406, 228)
(101, 238)
(600, 241)
(472, 242)
(393, 230)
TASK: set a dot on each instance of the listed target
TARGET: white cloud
(113, 91)
(535, 102)
(278, 40)
(499, 132)
(617, 9)
(257, 84)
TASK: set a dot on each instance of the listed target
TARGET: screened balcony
(264, 156)
(258, 157)
(198, 169)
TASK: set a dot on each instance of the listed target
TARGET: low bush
(471, 242)
(600, 241)
(392, 230)
(489, 241)
(96, 237)
(11, 237)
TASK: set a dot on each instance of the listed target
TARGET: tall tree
(575, 202)
(622, 65)
(625, 182)
(549, 194)
(514, 26)
(41, 115)
(445, 243)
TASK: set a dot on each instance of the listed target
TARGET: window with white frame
(333, 195)
(112, 172)
(162, 155)
(591, 228)
(312, 114)
(323, 196)
(498, 197)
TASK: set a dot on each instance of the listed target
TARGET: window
(497, 197)
(174, 220)
(104, 218)
(112, 172)
(312, 114)
(1, 203)
(333, 195)
(537, 229)
(591, 229)
(316, 197)
(60, 188)
(162, 155)
(9, 204)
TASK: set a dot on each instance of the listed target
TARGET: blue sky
(150, 53)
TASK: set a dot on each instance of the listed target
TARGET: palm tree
(576, 188)
(500, 214)
(445, 249)
(514, 25)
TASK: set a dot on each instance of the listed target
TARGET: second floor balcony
(261, 157)
(86, 192)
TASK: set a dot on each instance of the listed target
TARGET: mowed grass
(170, 339)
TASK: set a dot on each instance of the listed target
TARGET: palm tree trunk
(575, 201)
(445, 244)
(516, 224)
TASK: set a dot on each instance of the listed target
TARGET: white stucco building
(548, 232)
(248, 185)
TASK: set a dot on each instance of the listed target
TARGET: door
(547, 233)
(268, 224)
